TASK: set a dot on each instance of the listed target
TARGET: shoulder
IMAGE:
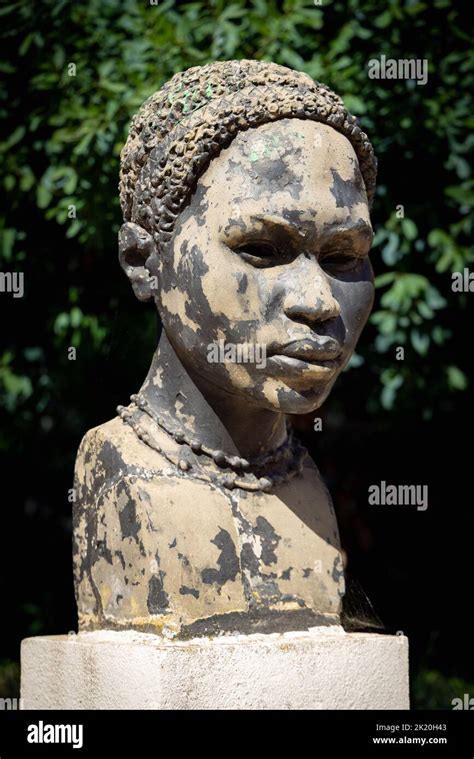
(111, 452)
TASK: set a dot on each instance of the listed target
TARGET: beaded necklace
(275, 467)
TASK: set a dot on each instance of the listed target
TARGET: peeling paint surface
(155, 551)
(246, 220)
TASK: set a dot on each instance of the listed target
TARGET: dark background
(405, 422)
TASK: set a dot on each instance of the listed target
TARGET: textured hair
(195, 115)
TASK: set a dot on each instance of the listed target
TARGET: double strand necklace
(277, 466)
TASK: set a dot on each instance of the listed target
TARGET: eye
(339, 262)
(259, 253)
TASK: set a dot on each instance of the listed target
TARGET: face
(271, 255)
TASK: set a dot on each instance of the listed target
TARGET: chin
(282, 398)
(293, 402)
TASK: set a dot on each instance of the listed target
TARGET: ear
(136, 246)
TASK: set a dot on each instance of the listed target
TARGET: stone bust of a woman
(245, 189)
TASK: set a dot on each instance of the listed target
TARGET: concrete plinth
(317, 669)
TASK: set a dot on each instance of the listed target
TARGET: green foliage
(9, 679)
(78, 71)
(432, 690)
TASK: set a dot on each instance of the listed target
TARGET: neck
(213, 416)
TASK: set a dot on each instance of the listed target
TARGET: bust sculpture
(245, 189)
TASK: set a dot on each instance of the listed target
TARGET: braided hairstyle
(195, 115)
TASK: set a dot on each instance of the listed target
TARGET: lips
(312, 350)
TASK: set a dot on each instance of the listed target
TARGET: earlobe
(136, 246)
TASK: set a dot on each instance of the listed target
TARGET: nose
(310, 298)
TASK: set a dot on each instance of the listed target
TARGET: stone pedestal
(315, 669)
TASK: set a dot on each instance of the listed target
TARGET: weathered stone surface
(301, 670)
(161, 552)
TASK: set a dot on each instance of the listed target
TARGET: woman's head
(245, 189)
